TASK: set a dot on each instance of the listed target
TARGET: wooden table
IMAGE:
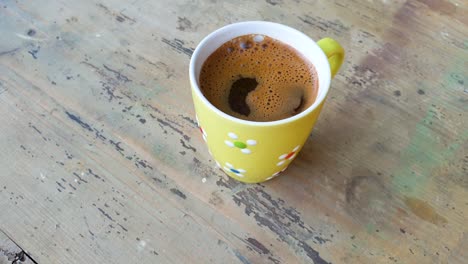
(101, 160)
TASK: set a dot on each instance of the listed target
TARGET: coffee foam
(287, 83)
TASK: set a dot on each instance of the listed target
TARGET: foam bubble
(245, 45)
(258, 38)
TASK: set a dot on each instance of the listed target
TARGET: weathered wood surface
(10, 253)
(101, 161)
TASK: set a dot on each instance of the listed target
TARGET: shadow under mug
(251, 151)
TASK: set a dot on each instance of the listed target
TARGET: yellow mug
(251, 151)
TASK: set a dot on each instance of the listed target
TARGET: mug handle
(334, 52)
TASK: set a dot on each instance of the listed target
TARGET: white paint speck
(98, 35)
(28, 37)
(445, 35)
(141, 245)
(42, 175)
(82, 173)
(76, 180)
(203, 180)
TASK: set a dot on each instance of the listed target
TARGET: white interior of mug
(294, 38)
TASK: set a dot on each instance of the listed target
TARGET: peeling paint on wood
(100, 144)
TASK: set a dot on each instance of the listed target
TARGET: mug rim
(323, 81)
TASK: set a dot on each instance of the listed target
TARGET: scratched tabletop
(101, 159)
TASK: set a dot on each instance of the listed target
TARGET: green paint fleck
(456, 80)
(370, 228)
(424, 153)
(165, 154)
(240, 145)
(154, 90)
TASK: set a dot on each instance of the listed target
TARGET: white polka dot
(246, 151)
(293, 156)
(241, 170)
(229, 143)
(280, 163)
(251, 142)
(232, 135)
(274, 175)
(296, 148)
(282, 156)
(229, 165)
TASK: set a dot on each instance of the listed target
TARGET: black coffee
(258, 78)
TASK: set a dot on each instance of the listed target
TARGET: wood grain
(102, 161)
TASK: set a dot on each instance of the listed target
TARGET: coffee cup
(251, 151)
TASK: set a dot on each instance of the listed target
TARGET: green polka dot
(240, 145)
